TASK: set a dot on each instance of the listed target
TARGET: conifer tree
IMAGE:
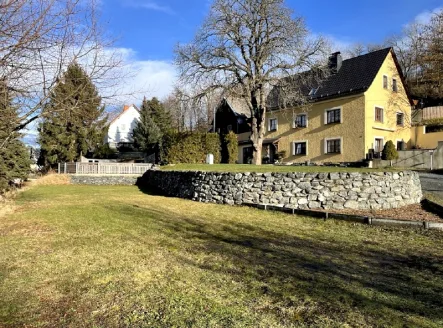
(160, 115)
(74, 120)
(147, 134)
(14, 157)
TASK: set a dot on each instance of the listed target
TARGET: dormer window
(313, 92)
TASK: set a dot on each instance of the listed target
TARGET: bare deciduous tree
(39, 39)
(244, 48)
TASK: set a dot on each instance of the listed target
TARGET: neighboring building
(427, 131)
(120, 132)
(359, 107)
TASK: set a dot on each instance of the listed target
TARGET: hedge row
(191, 148)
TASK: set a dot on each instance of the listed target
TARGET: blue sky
(148, 30)
(153, 27)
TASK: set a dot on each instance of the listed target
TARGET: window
(378, 145)
(229, 128)
(333, 146)
(400, 145)
(385, 82)
(400, 119)
(394, 85)
(333, 116)
(123, 127)
(273, 124)
(378, 114)
(313, 91)
(301, 121)
(300, 148)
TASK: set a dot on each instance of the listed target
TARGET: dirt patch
(414, 212)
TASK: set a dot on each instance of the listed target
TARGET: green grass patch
(83, 256)
(266, 168)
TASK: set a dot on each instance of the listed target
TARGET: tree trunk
(257, 136)
(257, 144)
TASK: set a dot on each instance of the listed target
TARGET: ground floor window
(300, 148)
(400, 145)
(333, 146)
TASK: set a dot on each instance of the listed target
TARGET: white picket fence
(103, 168)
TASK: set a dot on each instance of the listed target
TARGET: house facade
(360, 106)
(122, 126)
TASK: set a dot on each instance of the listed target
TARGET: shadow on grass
(328, 277)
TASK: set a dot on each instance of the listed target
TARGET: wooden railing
(103, 168)
(432, 112)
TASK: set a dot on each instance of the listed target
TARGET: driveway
(432, 183)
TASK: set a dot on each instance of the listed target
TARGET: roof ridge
(369, 53)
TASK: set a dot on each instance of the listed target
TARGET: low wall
(107, 180)
(415, 158)
(291, 190)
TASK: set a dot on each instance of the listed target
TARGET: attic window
(394, 85)
(385, 81)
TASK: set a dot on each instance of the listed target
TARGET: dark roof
(238, 106)
(355, 76)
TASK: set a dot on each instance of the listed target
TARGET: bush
(389, 151)
(191, 148)
(230, 148)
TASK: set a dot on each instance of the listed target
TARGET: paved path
(432, 183)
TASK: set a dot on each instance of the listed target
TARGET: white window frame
(331, 109)
(325, 149)
(379, 137)
(299, 141)
(295, 117)
(269, 124)
(396, 118)
(375, 110)
(383, 82)
(396, 83)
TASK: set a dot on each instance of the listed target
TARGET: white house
(121, 127)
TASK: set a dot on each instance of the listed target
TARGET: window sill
(332, 123)
(272, 130)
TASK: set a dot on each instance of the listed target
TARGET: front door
(378, 146)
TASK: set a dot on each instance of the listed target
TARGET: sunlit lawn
(81, 256)
(267, 168)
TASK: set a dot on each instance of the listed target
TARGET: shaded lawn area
(268, 168)
(83, 256)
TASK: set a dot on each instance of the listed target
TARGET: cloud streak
(149, 5)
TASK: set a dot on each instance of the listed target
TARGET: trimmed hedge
(230, 148)
(191, 148)
(389, 151)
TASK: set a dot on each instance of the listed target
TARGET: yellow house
(352, 114)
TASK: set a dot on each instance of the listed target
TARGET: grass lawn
(266, 168)
(83, 256)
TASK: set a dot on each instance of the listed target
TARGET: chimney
(126, 107)
(335, 62)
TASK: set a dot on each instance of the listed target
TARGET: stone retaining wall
(378, 190)
(106, 180)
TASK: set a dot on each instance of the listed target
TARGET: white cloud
(150, 78)
(425, 17)
(150, 5)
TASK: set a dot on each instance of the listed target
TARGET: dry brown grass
(52, 179)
